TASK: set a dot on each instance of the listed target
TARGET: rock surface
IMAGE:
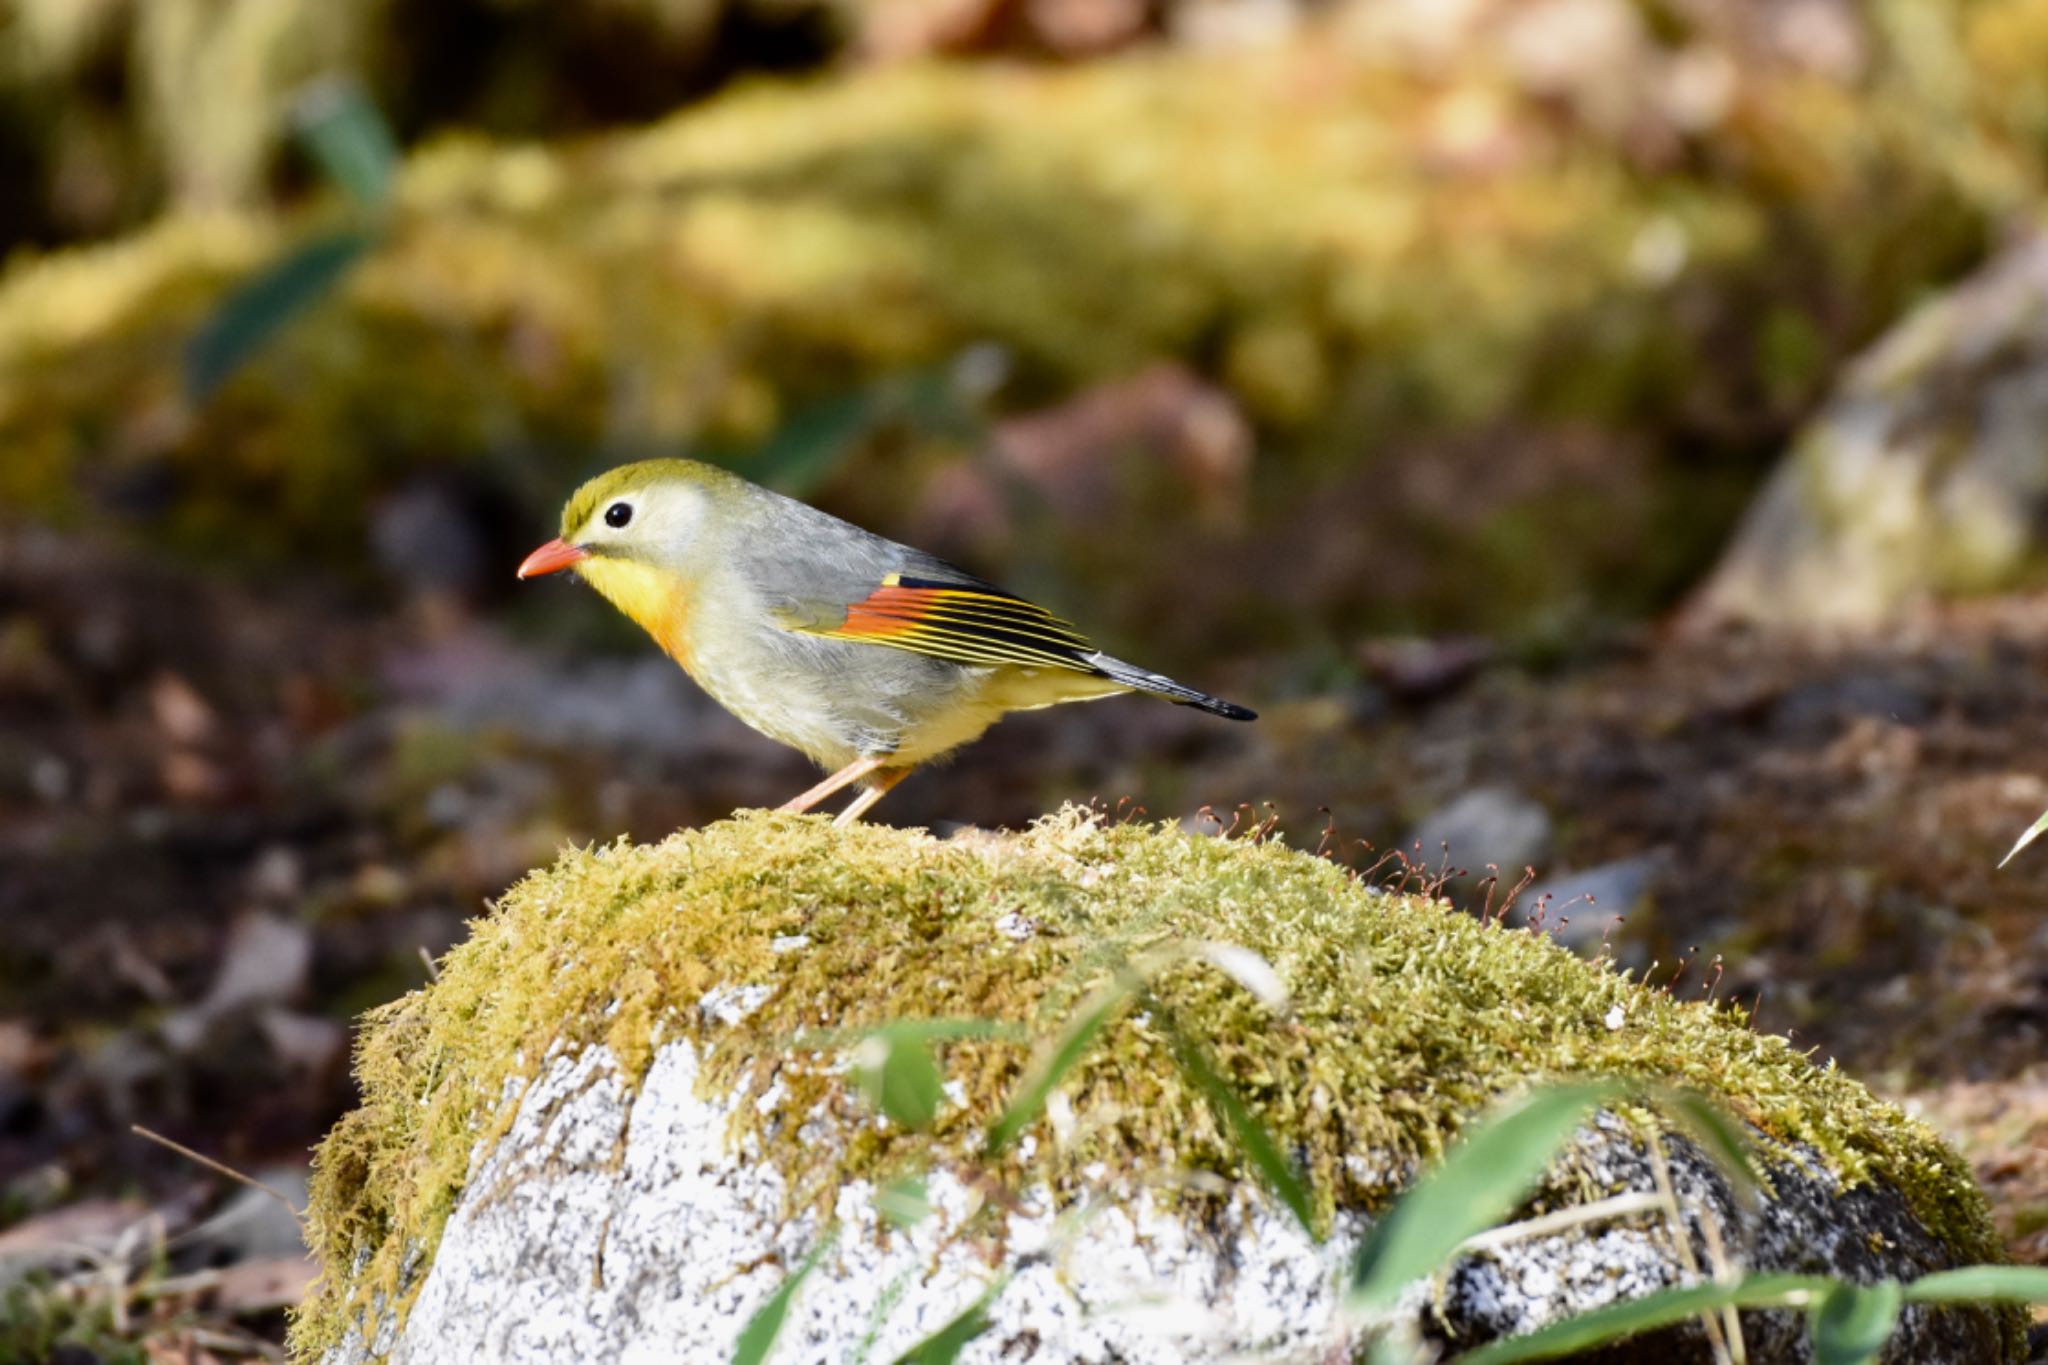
(678, 1144)
(1487, 827)
(613, 1226)
(1925, 474)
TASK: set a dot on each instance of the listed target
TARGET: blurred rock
(1090, 461)
(426, 540)
(1590, 52)
(898, 29)
(304, 1042)
(254, 1224)
(1818, 709)
(1417, 669)
(644, 705)
(1926, 474)
(1578, 909)
(63, 1236)
(1486, 827)
(265, 962)
(277, 876)
(181, 713)
(259, 1286)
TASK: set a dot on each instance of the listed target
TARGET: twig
(298, 1216)
(178, 1286)
(1681, 1241)
(241, 1343)
(427, 961)
(1619, 1206)
(1724, 1273)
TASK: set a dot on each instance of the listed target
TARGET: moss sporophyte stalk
(1405, 1019)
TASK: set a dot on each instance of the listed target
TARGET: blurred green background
(1401, 368)
(1484, 316)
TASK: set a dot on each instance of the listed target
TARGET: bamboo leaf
(1251, 1136)
(904, 1203)
(1722, 1138)
(757, 1338)
(347, 136)
(1618, 1322)
(893, 1067)
(1854, 1322)
(1982, 1284)
(1054, 1062)
(945, 1345)
(261, 306)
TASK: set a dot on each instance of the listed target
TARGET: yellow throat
(656, 599)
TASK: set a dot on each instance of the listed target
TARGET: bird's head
(652, 514)
(645, 535)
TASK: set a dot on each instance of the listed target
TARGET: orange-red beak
(552, 557)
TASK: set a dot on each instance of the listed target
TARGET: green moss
(1407, 1018)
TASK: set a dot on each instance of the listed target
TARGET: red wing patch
(963, 624)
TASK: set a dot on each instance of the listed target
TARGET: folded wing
(966, 623)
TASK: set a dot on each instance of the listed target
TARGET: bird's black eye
(618, 514)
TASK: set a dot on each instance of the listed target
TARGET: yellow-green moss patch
(1406, 1018)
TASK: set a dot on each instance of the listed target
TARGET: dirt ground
(232, 816)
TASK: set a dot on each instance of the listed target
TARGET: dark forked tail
(1159, 685)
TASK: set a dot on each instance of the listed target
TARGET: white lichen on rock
(567, 1253)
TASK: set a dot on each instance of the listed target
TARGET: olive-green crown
(631, 478)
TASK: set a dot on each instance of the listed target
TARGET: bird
(870, 657)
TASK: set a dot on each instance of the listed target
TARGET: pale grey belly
(837, 701)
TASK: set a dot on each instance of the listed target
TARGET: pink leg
(852, 772)
(874, 791)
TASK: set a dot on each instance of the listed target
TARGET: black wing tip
(1159, 685)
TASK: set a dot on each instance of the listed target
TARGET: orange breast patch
(672, 631)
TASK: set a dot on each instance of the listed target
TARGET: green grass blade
(1480, 1182)
(1619, 1321)
(1390, 1350)
(1854, 1322)
(347, 136)
(263, 304)
(757, 1338)
(892, 1065)
(1251, 1136)
(1055, 1062)
(1718, 1134)
(904, 1203)
(2033, 832)
(1982, 1284)
(894, 1069)
(944, 1346)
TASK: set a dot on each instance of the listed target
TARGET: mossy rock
(622, 1112)
(1925, 475)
